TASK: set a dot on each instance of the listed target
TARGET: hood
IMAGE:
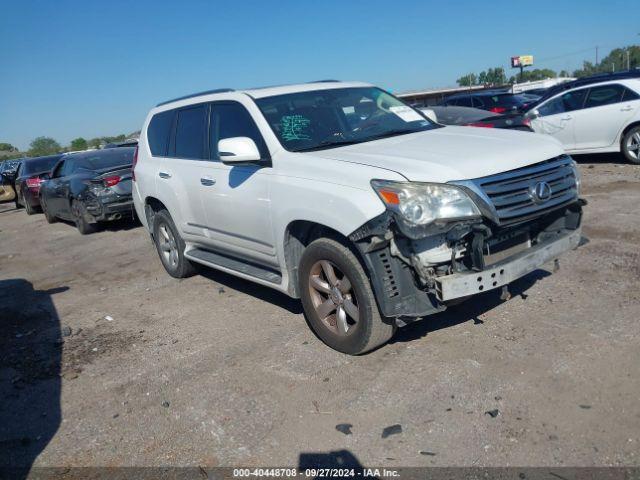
(450, 153)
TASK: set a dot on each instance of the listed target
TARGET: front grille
(510, 193)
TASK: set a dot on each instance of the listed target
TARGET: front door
(556, 117)
(236, 198)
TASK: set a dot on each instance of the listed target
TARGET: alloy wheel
(633, 145)
(333, 297)
(168, 246)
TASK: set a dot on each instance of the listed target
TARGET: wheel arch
(152, 206)
(634, 124)
(300, 233)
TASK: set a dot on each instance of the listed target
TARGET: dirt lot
(106, 360)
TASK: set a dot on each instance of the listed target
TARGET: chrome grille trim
(505, 197)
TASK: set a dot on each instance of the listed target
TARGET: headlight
(423, 203)
(576, 173)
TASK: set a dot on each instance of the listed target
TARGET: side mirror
(238, 150)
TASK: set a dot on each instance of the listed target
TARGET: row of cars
(341, 195)
(82, 187)
(598, 114)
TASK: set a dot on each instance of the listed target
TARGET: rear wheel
(170, 246)
(27, 206)
(338, 300)
(47, 215)
(631, 145)
(79, 217)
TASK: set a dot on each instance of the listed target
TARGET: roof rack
(208, 92)
(325, 81)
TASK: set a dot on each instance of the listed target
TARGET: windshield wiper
(328, 144)
(391, 133)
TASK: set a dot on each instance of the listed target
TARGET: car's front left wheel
(338, 299)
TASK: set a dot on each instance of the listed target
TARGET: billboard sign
(521, 61)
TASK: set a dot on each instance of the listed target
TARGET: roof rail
(325, 81)
(208, 92)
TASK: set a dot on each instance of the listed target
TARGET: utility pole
(628, 62)
(596, 56)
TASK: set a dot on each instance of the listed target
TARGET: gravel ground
(106, 360)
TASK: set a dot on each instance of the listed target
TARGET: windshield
(39, 165)
(322, 119)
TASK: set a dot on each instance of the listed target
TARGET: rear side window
(191, 133)
(230, 120)
(629, 95)
(464, 102)
(604, 95)
(158, 132)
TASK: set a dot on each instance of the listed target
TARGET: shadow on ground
(30, 359)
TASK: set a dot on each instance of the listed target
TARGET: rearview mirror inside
(238, 150)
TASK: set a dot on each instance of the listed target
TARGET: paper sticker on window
(294, 127)
(407, 114)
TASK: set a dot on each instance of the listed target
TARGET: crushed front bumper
(464, 284)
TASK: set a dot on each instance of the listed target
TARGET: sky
(94, 68)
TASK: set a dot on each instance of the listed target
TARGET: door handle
(207, 181)
(566, 117)
(164, 175)
(626, 109)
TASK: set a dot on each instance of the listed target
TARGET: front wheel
(631, 145)
(338, 300)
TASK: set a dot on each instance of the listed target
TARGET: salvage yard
(106, 360)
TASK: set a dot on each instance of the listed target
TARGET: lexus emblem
(540, 192)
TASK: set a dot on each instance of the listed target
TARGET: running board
(214, 259)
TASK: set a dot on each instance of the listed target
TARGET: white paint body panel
(247, 209)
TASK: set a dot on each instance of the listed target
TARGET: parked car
(7, 173)
(343, 196)
(491, 100)
(89, 187)
(29, 176)
(593, 115)
(535, 91)
(474, 117)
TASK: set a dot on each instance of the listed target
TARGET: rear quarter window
(158, 132)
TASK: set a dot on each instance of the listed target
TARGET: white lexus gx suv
(343, 196)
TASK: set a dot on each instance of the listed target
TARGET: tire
(79, 217)
(328, 293)
(631, 145)
(27, 206)
(17, 202)
(47, 215)
(170, 246)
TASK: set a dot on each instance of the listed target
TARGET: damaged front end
(417, 269)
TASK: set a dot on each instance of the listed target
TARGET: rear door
(236, 198)
(179, 174)
(59, 187)
(606, 110)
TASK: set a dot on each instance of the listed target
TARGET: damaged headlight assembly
(420, 205)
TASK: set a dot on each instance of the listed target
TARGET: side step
(213, 259)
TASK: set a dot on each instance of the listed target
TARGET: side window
(230, 120)
(552, 107)
(464, 102)
(628, 95)
(158, 133)
(58, 170)
(478, 103)
(191, 133)
(68, 167)
(604, 95)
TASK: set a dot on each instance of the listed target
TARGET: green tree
(7, 147)
(79, 144)
(615, 61)
(492, 76)
(468, 80)
(43, 146)
(533, 75)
